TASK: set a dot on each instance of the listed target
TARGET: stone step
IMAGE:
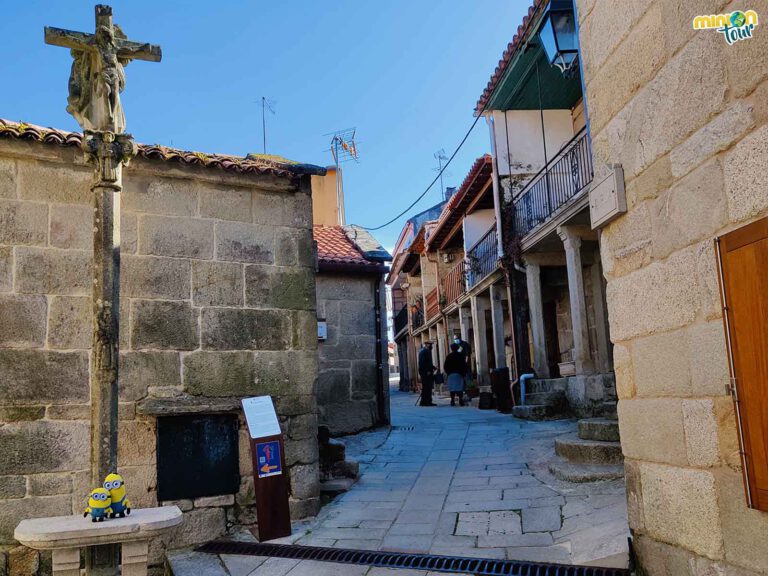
(190, 563)
(580, 473)
(576, 450)
(534, 412)
(554, 398)
(608, 410)
(603, 429)
(546, 385)
(336, 486)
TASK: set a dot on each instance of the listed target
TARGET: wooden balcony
(433, 303)
(455, 283)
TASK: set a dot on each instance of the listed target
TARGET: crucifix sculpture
(95, 84)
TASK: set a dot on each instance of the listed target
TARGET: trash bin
(501, 389)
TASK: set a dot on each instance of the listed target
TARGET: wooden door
(744, 282)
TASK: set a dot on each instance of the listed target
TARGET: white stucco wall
(517, 138)
(476, 225)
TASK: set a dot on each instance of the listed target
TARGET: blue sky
(407, 74)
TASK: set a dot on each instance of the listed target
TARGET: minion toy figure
(121, 506)
(98, 505)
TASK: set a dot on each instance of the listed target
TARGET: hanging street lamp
(558, 35)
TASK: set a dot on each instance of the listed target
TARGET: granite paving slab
(461, 482)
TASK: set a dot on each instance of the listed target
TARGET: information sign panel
(268, 454)
(268, 459)
(261, 417)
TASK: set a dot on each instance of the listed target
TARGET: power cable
(440, 174)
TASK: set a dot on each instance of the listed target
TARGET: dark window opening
(197, 456)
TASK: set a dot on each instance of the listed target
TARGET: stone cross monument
(95, 83)
(97, 78)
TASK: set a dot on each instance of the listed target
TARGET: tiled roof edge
(366, 244)
(508, 54)
(244, 165)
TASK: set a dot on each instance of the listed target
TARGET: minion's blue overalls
(98, 514)
(119, 507)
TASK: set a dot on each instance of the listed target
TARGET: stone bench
(67, 535)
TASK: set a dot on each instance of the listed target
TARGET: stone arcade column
(432, 337)
(572, 244)
(536, 308)
(479, 305)
(442, 346)
(497, 323)
(465, 321)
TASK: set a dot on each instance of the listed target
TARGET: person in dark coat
(465, 350)
(426, 373)
(455, 367)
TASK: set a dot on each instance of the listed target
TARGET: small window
(197, 456)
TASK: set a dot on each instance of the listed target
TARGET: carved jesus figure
(95, 84)
(97, 77)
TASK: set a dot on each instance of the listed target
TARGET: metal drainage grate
(449, 564)
(403, 428)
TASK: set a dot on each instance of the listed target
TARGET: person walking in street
(455, 367)
(466, 352)
(464, 348)
(426, 373)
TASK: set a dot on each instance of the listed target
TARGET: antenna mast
(440, 157)
(266, 105)
(343, 149)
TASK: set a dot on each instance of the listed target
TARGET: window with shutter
(743, 264)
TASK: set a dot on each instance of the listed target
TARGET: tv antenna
(440, 157)
(266, 105)
(343, 149)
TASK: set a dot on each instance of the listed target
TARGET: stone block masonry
(685, 114)
(217, 303)
(347, 381)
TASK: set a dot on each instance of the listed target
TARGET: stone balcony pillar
(572, 243)
(465, 323)
(479, 305)
(441, 344)
(536, 308)
(497, 323)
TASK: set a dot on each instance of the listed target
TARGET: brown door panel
(744, 257)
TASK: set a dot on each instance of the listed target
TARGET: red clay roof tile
(334, 247)
(253, 163)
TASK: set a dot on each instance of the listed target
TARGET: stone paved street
(460, 481)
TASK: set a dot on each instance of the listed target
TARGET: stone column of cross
(95, 83)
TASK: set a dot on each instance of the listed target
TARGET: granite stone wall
(686, 115)
(218, 303)
(346, 388)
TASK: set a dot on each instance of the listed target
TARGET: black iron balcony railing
(482, 258)
(401, 320)
(563, 178)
